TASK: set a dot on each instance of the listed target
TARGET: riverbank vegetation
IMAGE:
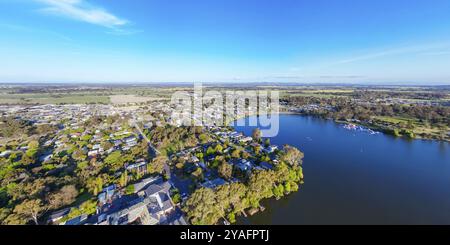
(411, 120)
(207, 206)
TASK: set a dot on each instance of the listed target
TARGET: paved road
(166, 167)
(134, 124)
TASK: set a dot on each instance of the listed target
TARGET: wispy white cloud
(435, 48)
(25, 29)
(81, 10)
(124, 32)
(437, 53)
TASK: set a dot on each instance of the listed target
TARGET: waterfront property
(353, 177)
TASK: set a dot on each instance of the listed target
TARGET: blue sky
(225, 41)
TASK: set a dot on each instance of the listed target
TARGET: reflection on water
(357, 178)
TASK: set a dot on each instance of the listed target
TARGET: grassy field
(418, 127)
(310, 94)
(104, 96)
(138, 94)
(396, 119)
(46, 98)
(130, 98)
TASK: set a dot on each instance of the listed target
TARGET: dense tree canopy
(233, 198)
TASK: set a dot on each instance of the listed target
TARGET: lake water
(357, 178)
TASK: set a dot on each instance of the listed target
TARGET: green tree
(198, 174)
(199, 155)
(95, 185)
(28, 160)
(231, 218)
(256, 135)
(106, 145)
(65, 196)
(210, 151)
(4, 213)
(30, 210)
(82, 165)
(236, 153)
(86, 137)
(157, 164)
(218, 148)
(278, 191)
(123, 181)
(396, 133)
(88, 207)
(130, 189)
(236, 196)
(260, 186)
(33, 148)
(225, 170)
(203, 138)
(245, 155)
(287, 187)
(78, 155)
(114, 160)
(292, 156)
(257, 149)
(201, 208)
(176, 197)
(15, 219)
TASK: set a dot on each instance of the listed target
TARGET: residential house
(270, 149)
(93, 153)
(5, 154)
(58, 215)
(244, 165)
(150, 206)
(46, 157)
(246, 139)
(80, 220)
(213, 183)
(140, 166)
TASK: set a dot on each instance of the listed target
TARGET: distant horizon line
(431, 84)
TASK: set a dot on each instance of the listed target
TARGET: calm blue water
(357, 178)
